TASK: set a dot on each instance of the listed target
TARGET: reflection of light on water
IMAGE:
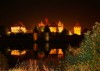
(59, 52)
(35, 47)
(41, 55)
(44, 56)
(23, 52)
(18, 52)
(32, 65)
(53, 51)
(39, 64)
(47, 46)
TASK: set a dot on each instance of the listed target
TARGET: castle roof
(77, 25)
(19, 23)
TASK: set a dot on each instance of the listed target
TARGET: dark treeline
(25, 39)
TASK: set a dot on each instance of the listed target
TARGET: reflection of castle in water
(35, 51)
(40, 50)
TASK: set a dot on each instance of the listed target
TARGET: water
(41, 52)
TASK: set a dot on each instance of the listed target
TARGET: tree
(89, 55)
(90, 48)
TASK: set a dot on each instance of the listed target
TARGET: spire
(35, 29)
(46, 29)
(46, 21)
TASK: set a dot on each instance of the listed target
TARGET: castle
(76, 29)
(59, 27)
(54, 27)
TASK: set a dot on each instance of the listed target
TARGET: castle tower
(60, 26)
(46, 21)
(41, 26)
(35, 34)
(77, 29)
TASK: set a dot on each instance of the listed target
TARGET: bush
(3, 62)
(89, 56)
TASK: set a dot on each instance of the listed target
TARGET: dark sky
(31, 12)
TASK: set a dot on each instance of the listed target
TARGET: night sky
(32, 12)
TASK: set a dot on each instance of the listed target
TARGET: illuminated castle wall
(53, 27)
(58, 28)
(18, 28)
